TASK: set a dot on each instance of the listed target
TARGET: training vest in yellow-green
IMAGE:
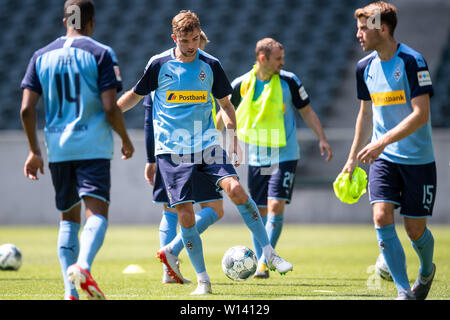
(261, 121)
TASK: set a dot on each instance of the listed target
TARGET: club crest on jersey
(397, 74)
(202, 75)
(187, 96)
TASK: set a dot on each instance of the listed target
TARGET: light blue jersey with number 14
(71, 74)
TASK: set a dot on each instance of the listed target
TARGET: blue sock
(424, 247)
(393, 253)
(193, 245)
(274, 226)
(68, 248)
(203, 219)
(256, 245)
(167, 227)
(91, 240)
(250, 214)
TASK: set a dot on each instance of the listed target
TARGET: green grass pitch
(333, 262)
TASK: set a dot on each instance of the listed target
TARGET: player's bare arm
(34, 160)
(363, 131)
(128, 100)
(313, 122)
(228, 117)
(219, 121)
(414, 121)
(115, 118)
(149, 172)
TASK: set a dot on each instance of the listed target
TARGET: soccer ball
(382, 269)
(239, 263)
(10, 257)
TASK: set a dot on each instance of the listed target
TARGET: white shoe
(203, 287)
(171, 262)
(405, 295)
(277, 263)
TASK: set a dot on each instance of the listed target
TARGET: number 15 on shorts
(428, 194)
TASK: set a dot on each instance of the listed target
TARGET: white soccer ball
(10, 257)
(239, 263)
(382, 269)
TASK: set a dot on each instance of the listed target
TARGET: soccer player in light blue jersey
(273, 190)
(186, 141)
(205, 194)
(78, 78)
(394, 86)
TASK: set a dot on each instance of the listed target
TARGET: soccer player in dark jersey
(78, 78)
(394, 86)
(272, 190)
(183, 79)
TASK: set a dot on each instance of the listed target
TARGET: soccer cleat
(405, 295)
(167, 279)
(72, 298)
(171, 262)
(422, 285)
(277, 263)
(262, 272)
(82, 279)
(203, 287)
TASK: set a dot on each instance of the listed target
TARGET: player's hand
(349, 167)
(235, 154)
(127, 149)
(33, 163)
(325, 147)
(149, 173)
(370, 152)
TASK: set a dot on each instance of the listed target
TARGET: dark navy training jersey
(71, 73)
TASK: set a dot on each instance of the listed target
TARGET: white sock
(268, 251)
(203, 276)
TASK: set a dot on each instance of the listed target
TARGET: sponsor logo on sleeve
(424, 78)
(303, 93)
(117, 72)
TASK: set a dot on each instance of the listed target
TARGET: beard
(188, 54)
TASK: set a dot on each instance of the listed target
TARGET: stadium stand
(440, 115)
(318, 36)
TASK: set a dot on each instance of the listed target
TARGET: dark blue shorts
(73, 180)
(204, 190)
(181, 180)
(411, 187)
(278, 185)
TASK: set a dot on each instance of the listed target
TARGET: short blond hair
(266, 46)
(387, 11)
(185, 21)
